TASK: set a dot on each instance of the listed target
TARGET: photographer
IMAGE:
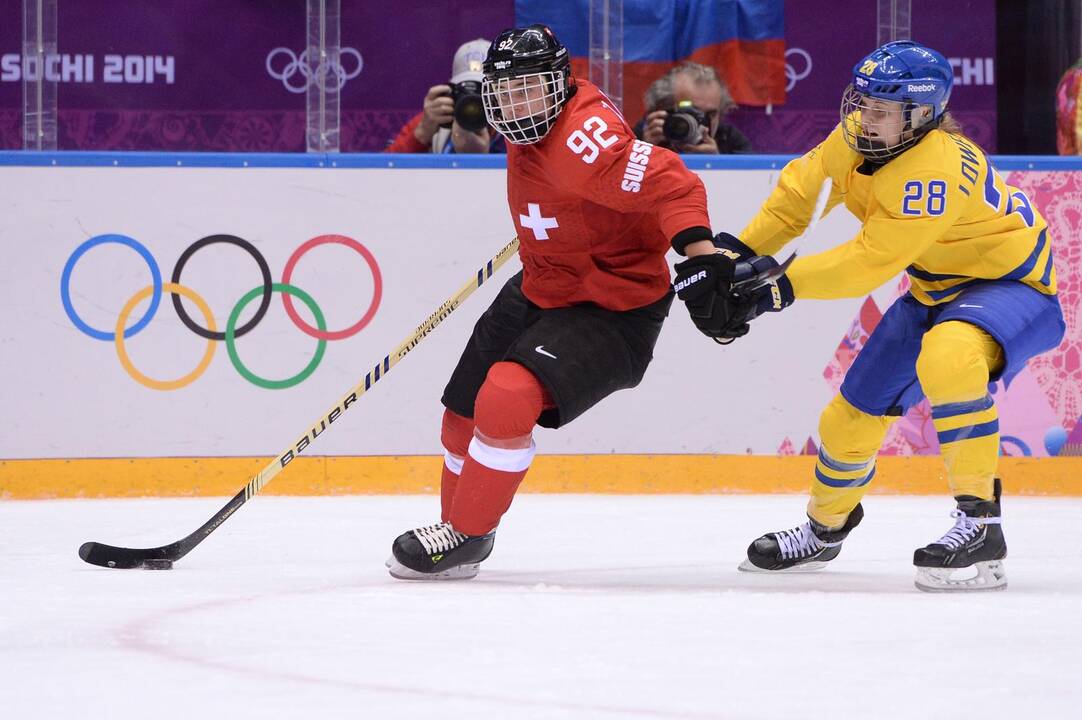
(684, 110)
(453, 118)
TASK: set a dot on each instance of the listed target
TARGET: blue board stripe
(78, 158)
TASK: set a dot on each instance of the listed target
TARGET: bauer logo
(315, 432)
(688, 282)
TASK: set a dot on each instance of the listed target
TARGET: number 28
(581, 144)
(935, 199)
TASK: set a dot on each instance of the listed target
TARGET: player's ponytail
(949, 125)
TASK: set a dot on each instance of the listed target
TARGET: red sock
(455, 435)
(501, 450)
(490, 477)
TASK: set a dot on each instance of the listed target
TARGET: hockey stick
(162, 557)
(765, 278)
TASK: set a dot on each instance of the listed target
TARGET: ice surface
(590, 607)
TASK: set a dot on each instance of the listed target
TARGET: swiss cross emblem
(537, 222)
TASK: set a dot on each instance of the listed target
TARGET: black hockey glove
(704, 283)
(731, 247)
(749, 304)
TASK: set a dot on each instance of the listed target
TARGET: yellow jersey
(939, 211)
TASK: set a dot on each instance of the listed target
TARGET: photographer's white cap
(468, 61)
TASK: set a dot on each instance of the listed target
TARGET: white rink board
(66, 394)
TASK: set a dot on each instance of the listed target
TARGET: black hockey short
(581, 354)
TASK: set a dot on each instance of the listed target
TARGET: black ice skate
(970, 556)
(806, 547)
(438, 552)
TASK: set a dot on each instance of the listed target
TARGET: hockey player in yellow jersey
(982, 301)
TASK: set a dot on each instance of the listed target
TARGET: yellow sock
(850, 440)
(955, 362)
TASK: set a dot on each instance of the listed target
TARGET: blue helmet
(915, 77)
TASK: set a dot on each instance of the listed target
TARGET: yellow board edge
(407, 475)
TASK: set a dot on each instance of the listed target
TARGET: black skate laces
(965, 529)
(800, 542)
(439, 538)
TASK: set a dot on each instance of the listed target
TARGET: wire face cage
(524, 108)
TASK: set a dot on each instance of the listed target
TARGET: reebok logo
(927, 87)
(689, 281)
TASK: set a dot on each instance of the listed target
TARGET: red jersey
(596, 209)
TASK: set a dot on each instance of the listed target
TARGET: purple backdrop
(210, 89)
(222, 96)
(834, 34)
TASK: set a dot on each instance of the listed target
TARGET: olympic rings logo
(791, 74)
(331, 76)
(121, 332)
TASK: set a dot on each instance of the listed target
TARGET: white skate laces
(439, 538)
(800, 542)
(965, 529)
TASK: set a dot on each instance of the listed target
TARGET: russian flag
(744, 40)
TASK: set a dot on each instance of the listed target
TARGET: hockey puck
(158, 564)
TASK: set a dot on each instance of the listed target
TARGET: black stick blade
(108, 556)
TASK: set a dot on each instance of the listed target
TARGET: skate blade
(461, 572)
(814, 566)
(979, 577)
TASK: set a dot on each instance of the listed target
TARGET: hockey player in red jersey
(596, 210)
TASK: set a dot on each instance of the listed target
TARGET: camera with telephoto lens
(469, 110)
(685, 125)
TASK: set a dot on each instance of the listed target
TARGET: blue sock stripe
(835, 483)
(940, 412)
(969, 432)
(839, 466)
